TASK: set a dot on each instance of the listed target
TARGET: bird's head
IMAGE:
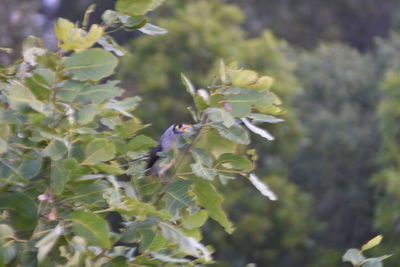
(179, 128)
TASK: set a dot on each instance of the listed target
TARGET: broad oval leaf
(142, 210)
(22, 209)
(99, 93)
(202, 156)
(220, 115)
(244, 77)
(203, 172)
(92, 64)
(55, 150)
(141, 142)
(235, 133)
(239, 162)
(196, 220)
(207, 196)
(133, 8)
(99, 150)
(92, 228)
(177, 196)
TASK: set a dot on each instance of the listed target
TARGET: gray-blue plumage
(167, 141)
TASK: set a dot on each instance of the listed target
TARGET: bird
(166, 142)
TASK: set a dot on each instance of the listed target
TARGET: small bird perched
(167, 140)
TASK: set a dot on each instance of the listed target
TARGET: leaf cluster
(66, 135)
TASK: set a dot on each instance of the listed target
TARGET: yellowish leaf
(244, 77)
(372, 243)
(262, 84)
(76, 39)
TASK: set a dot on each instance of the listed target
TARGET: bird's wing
(153, 157)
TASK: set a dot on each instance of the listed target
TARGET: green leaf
(22, 210)
(21, 170)
(147, 236)
(133, 8)
(100, 93)
(197, 220)
(188, 85)
(354, 256)
(99, 150)
(233, 161)
(88, 193)
(242, 102)
(157, 243)
(187, 244)
(212, 142)
(110, 169)
(39, 86)
(262, 84)
(236, 133)
(244, 77)
(124, 106)
(207, 196)
(167, 258)
(86, 114)
(141, 210)
(203, 172)
(21, 99)
(129, 128)
(55, 150)
(133, 22)
(177, 197)
(109, 16)
(92, 228)
(62, 173)
(92, 64)
(141, 142)
(202, 156)
(70, 90)
(372, 243)
(132, 233)
(220, 115)
(118, 261)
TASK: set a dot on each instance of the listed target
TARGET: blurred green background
(335, 163)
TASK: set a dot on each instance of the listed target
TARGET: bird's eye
(178, 126)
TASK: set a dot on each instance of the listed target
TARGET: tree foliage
(66, 137)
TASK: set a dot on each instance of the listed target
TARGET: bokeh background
(335, 163)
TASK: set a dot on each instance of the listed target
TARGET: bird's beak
(187, 128)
